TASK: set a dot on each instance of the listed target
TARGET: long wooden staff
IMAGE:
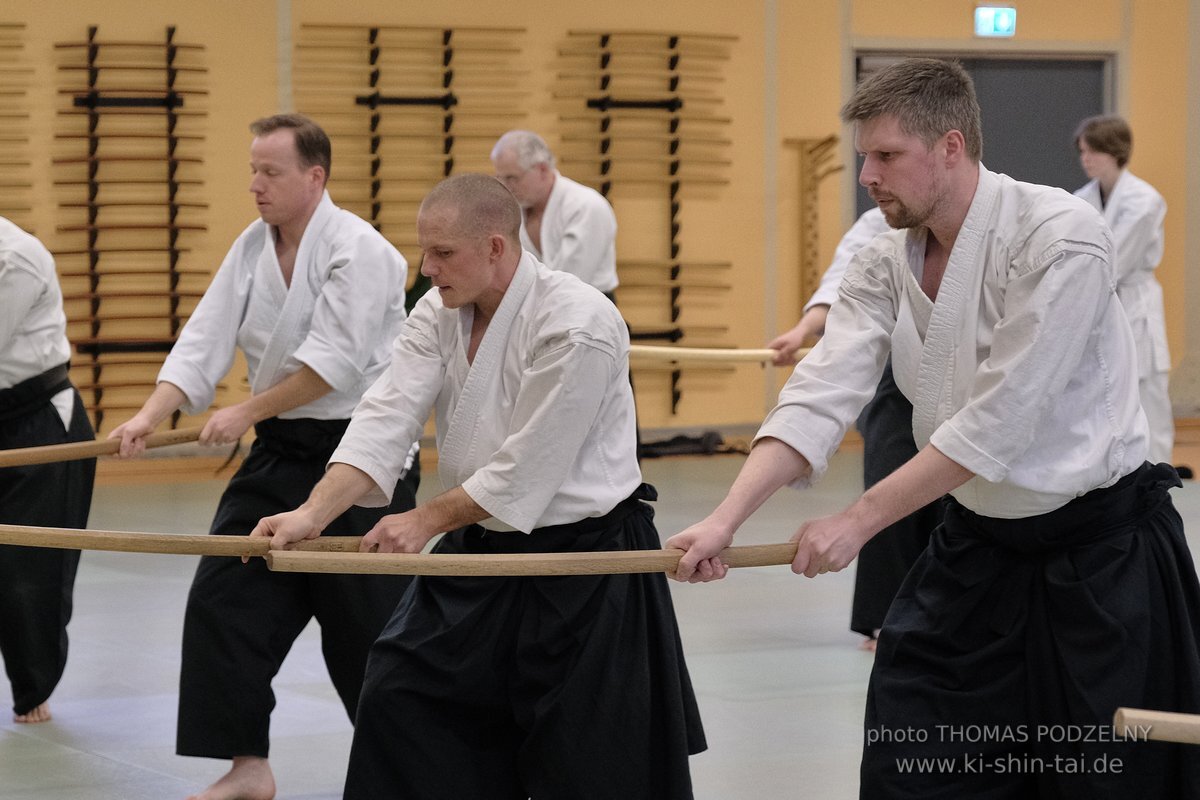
(1164, 726)
(591, 563)
(25, 456)
(645, 352)
(170, 543)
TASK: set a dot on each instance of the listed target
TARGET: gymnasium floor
(780, 679)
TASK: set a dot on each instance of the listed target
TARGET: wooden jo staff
(26, 456)
(644, 352)
(169, 543)
(1164, 726)
(607, 562)
(339, 554)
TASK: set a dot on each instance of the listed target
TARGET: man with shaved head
(510, 687)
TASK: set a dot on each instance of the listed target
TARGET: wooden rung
(123, 318)
(57, 253)
(663, 264)
(149, 273)
(433, 47)
(646, 114)
(131, 135)
(618, 138)
(111, 90)
(101, 159)
(665, 73)
(347, 26)
(678, 284)
(115, 295)
(163, 45)
(132, 182)
(131, 67)
(128, 111)
(617, 158)
(644, 34)
(134, 204)
(141, 226)
(625, 178)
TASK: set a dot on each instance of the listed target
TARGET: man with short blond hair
(510, 687)
(1059, 585)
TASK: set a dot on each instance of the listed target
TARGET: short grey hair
(529, 148)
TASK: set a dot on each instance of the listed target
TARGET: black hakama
(241, 619)
(542, 687)
(1012, 642)
(37, 584)
(886, 428)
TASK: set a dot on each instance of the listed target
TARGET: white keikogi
(281, 327)
(1021, 367)
(1135, 212)
(869, 225)
(578, 234)
(33, 328)
(538, 429)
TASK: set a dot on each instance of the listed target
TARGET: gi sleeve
(353, 302)
(555, 410)
(205, 349)
(833, 383)
(864, 229)
(20, 287)
(1137, 236)
(391, 416)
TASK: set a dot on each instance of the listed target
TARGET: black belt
(32, 393)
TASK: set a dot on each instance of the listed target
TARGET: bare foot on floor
(869, 644)
(250, 778)
(39, 714)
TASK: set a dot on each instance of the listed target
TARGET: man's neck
(948, 221)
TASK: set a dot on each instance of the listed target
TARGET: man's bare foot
(39, 714)
(868, 644)
(249, 778)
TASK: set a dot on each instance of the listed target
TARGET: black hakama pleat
(542, 687)
(886, 428)
(1012, 643)
(241, 619)
(37, 584)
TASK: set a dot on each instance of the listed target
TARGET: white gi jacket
(578, 235)
(33, 327)
(1135, 212)
(1020, 372)
(865, 228)
(538, 429)
(339, 316)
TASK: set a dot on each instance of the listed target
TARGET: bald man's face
(460, 263)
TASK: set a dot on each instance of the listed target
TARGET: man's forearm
(300, 388)
(929, 475)
(450, 510)
(341, 486)
(770, 466)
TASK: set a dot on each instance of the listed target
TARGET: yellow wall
(788, 73)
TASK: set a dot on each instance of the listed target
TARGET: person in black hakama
(312, 295)
(1059, 587)
(38, 406)
(480, 687)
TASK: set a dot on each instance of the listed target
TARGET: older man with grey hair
(566, 225)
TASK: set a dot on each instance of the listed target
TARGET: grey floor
(781, 681)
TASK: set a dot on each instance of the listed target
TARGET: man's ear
(956, 146)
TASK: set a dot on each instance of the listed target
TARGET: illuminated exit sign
(995, 21)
